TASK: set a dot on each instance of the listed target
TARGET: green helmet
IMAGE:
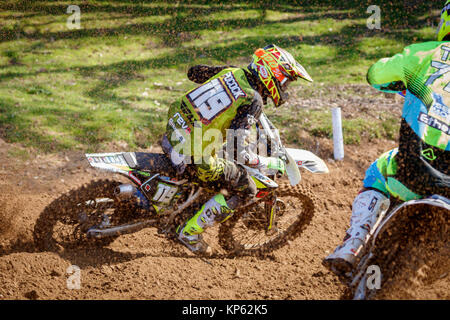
(444, 25)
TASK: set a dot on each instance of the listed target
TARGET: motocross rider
(419, 167)
(228, 98)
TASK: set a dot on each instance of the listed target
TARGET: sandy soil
(146, 266)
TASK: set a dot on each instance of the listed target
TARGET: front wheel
(412, 252)
(246, 232)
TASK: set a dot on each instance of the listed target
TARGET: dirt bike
(403, 225)
(97, 213)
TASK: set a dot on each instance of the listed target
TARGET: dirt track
(146, 266)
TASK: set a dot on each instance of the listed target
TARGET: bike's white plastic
(292, 170)
(261, 177)
(308, 160)
(114, 162)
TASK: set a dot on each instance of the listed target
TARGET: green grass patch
(113, 79)
(318, 123)
(19, 154)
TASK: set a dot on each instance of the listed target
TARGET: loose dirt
(144, 265)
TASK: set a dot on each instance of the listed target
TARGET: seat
(154, 162)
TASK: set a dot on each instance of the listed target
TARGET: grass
(319, 124)
(113, 79)
(19, 153)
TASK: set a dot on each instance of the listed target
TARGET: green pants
(381, 176)
(219, 173)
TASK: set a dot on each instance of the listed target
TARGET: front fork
(271, 207)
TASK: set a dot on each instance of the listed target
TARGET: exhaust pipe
(119, 230)
(128, 191)
(125, 191)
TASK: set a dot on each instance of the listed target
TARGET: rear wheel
(64, 222)
(246, 232)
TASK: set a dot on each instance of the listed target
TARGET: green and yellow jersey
(421, 162)
(203, 114)
(424, 70)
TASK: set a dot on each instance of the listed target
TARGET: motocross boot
(369, 207)
(216, 209)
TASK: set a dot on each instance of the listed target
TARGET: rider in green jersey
(199, 123)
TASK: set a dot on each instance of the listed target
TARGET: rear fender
(435, 200)
(113, 162)
(359, 280)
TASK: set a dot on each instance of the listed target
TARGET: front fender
(308, 160)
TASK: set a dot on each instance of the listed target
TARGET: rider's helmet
(276, 68)
(444, 25)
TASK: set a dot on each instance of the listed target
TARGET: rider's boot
(216, 209)
(369, 207)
